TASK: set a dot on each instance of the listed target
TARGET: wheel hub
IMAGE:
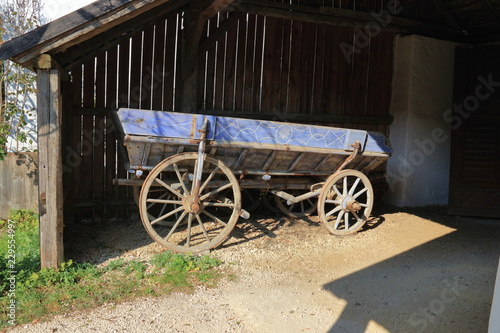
(192, 204)
(349, 204)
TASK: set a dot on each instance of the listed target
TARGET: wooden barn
(425, 73)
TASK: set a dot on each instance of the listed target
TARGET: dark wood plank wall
(264, 66)
(286, 68)
(137, 73)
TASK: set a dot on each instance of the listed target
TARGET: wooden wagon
(189, 171)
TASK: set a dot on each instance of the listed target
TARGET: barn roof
(87, 30)
(80, 35)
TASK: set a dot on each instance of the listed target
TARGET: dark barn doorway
(475, 152)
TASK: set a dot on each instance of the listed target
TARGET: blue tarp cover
(228, 129)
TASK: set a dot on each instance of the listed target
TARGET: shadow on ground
(445, 285)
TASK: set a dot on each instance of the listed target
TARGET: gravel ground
(410, 271)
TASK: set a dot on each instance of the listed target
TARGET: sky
(54, 9)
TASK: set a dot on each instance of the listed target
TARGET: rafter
(349, 18)
(446, 13)
(88, 49)
(223, 28)
(494, 13)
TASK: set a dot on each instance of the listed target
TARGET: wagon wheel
(296, 210)
(251, 199)
(203, 221)
(345, 202)
(270, 203)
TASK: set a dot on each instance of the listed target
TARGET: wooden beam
(50, 187)
(200, 16)
(492, 10)
(348, 18)
(284, 117)
(446, 13)
(303, 118)
(493, 38)
(223, 28)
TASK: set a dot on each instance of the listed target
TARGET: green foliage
(42, 292)
(25, 243)
(184, 262)
(4, 133)
(17, 84)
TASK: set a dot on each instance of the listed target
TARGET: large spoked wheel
(345, 202)
(296, 210)
(185, 219)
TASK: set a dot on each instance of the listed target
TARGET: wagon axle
(351, 205)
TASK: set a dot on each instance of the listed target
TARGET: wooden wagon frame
(197, 165)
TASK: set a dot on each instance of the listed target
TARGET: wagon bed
(185, 153)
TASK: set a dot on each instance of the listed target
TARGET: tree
(17, 102)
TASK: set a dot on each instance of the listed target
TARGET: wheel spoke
(203, 227)
(355, 215)
(346, 220)
(161, 218)
(363, 205)
(333, 202)
(360, 192)
(220, 189)
(337, 191)
(215, 218)
(176, 225)
(302, 210)
(168, 187)
(209, 178)
(172, 202)
(344, 190)
(161, 197)
(353, 188)
(190, 220)
(180, 178)
(339, 217)
(333, 211)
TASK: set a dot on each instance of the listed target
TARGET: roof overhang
(94, 26)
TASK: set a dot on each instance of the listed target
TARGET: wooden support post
(50, 187)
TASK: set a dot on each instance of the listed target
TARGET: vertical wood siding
(270, 65)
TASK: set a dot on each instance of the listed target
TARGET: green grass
(76, 286)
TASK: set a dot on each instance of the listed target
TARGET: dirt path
(413, 271)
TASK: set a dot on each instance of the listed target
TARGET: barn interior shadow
(444, 285)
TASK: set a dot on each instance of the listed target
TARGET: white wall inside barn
(418, 170)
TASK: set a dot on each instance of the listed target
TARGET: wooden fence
(18, 182)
